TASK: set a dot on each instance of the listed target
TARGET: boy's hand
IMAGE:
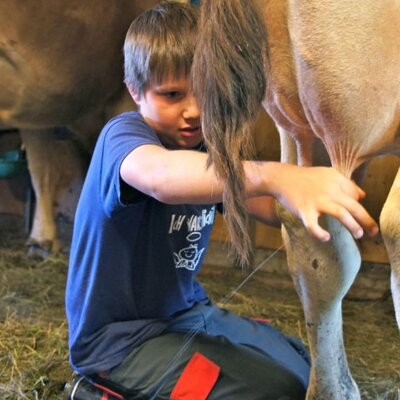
(309, 192)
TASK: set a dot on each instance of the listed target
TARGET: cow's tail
(229, 82)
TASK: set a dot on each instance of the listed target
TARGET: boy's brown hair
(159, 42)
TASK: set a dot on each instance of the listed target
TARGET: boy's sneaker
(81, 389)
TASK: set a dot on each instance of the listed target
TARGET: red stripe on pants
(197, 379)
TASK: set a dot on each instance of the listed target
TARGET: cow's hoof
(40, 250)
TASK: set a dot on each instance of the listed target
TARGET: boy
(141, 230)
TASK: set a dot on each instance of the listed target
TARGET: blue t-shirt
(133, 259)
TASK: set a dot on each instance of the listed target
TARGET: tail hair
(229, 82)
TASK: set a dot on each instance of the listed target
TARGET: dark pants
(256, 361)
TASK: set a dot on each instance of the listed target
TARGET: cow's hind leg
(322, 274)
(390, 228)
(56, 167)
(44, 175)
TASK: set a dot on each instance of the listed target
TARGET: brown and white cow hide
(340, 84)
(333, 74)
(60, 66)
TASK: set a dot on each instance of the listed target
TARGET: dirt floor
(33, 331)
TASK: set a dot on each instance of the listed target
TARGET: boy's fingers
(352, 189)
(361, 193)
(310, 222)
(357, 212)
(318, 232)
(347, 219)
(352, 215)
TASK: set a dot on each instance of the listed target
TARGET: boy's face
(172, 111)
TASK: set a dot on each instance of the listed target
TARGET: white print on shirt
(193, 237)
(176, 222)
(194, 223)
(188, 257)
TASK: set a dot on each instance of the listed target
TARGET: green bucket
(12, 164)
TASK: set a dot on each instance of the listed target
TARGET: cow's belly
(39, 97)
(9, 87)
(349, 90)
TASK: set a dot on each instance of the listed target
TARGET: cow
(327, 72)
(60, 66)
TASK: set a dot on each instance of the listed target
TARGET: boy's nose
(192, 110)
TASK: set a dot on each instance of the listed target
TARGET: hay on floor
(33, 332)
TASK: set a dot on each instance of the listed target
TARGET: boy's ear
(134, 94)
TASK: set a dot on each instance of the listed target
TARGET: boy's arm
(263, 209)
(181, 177)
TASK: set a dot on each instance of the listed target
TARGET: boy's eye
(173, 94)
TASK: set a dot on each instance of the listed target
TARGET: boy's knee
(283, 385)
